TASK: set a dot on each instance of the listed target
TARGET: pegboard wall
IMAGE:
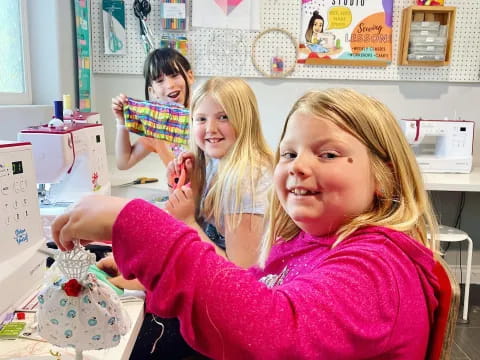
(227, 52)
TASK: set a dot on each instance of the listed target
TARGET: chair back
(443, 328)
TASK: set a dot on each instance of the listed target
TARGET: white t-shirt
(249, 204)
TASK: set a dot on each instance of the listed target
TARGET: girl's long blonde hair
(246, 159)
(402, 203)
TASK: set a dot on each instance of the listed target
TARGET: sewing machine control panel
(20, 220)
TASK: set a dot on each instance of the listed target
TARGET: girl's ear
(151, 93)
(190, 77)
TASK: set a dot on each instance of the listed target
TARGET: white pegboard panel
(222, 52)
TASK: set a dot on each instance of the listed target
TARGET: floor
(467, 336)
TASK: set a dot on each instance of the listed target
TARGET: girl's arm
(242, 242)
(126, 154)
(226, 313)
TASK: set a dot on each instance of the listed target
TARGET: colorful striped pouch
(160, 120)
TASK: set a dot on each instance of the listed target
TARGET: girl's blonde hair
(401, 203)
(242, 166)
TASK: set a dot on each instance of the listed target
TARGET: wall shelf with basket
(426, 35)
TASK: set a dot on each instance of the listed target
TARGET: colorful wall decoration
(346, 32)
(227, 14)
(82, 27)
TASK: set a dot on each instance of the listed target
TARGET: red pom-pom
(72, 287)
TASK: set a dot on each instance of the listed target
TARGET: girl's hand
(174, 167)
(109, 265)
(91, 219)
(181, 205)
(117, 107)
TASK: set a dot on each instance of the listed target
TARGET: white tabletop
(453, 182)
(151, 167)
(38, 350)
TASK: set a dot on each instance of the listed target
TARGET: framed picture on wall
(346, 32)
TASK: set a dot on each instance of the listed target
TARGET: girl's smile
(171, 88)
(213, 132)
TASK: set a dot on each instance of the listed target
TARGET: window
(14, 55)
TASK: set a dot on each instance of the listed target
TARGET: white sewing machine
(441, 146)
(22, 266)
(72, 158)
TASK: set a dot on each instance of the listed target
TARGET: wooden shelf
(443, 14)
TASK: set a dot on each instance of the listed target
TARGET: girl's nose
(211, 126)
(300, 166)
(169, 81)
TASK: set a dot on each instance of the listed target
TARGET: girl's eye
(329, 155)
(288, 155)
(223, 117)
(200, 119)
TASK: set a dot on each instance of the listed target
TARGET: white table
(453, 182)
(151, 167)
(26, 349)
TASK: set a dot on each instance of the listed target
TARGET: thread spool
(67, 105)
(58, 108)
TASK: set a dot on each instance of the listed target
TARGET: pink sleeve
(226, 313)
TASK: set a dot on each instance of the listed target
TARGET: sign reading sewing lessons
(346, 32)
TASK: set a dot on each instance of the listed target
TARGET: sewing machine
(22, 265)
(71, 158)
(326, 39)
(441, 146)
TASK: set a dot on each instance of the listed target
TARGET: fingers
(108, 265)
(188, 166)
(60, 233)
(118, 103)
(179, 195)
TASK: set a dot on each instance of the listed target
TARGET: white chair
(451, 234)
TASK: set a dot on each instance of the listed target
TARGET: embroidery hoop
(286, 72)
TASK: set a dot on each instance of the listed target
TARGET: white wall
(51, 50)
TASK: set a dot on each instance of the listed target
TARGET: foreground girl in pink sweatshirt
(346, 268)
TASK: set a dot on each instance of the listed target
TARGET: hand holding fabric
(117, 107)
(185, 160)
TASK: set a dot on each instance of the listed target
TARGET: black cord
(458, 218)
(458, 223)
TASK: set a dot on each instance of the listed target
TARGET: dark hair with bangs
(167, 62)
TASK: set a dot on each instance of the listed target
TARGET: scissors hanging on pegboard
(142, 8)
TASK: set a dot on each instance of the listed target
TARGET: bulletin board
(227, 52)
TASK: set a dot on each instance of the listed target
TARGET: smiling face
(317, 26)
(170, 88)
(212, 130)
(323, 178)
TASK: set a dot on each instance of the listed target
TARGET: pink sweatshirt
(371, 297)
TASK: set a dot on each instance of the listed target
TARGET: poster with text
(346, 32)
